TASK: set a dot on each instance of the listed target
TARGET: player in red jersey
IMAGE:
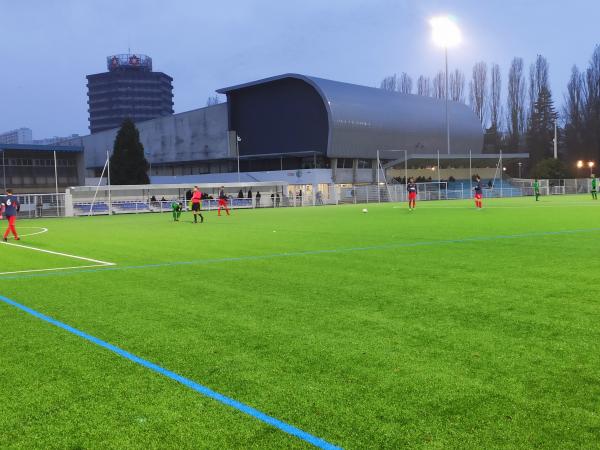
(478, 192)
(196, 204)
(411, 187)
(223, 201)
(11, 207)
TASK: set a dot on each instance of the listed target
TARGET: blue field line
(389, 246)
(289, 429)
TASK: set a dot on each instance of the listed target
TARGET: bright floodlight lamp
(579, 164)
(445, 33)
(591, 164)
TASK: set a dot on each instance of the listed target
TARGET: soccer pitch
(445, 327)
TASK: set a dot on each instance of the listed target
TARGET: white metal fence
(53, 205)
(41, 205)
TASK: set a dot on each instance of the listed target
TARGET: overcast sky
(49, 46)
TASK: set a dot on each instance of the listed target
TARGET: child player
(196, 203)
(478, 192)
(176, 207)
(536, 189)
(594, 187)
(223, 201)
(411, 188)
(11, 207)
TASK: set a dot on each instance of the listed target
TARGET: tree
(551, 169)
(389, 83)
(516, 104)
(213, 100)
(128, 164)
(405, 84)
(457, 86)
(493, 133)
(423, 86)
(538, 80)
(574, 111)
(478, 91)
(439, 85)
(540, 134)
(592, 105)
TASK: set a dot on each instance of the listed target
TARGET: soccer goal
(527, 189)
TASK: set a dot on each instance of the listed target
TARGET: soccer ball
(365, 210)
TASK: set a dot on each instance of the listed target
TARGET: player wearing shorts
(411, 188)
(536, 189)
(223, 201)
(197, 204)
(11, 207)
(478, 192)
(594, 188)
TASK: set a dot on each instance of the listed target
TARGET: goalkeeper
(536, 189)
(594, 188)
(177, 207)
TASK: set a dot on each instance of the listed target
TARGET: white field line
(43, 230)
(97, 263)
(53, 269)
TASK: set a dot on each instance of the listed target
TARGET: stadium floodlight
(579, 164)
(445, 33)
(591, 166)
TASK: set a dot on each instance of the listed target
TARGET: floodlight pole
(3, 169)
(447, 94)
(237, 147)
(56, 183)
(555, 140)
(108, 181)
(378, 167)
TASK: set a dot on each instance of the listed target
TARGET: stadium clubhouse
(292, 128)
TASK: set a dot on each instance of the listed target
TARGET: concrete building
(301, 130)
(130, 89)
(19, 136)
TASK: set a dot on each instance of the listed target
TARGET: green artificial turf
(445, 327)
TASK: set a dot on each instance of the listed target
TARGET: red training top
(196, 196)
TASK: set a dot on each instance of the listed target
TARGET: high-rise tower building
(130, 89)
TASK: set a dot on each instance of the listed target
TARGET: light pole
(445, 33)
(237, 147)
(591, 166)
(519, 164)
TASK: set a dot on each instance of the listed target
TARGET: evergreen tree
(540, 134)
(128, 164)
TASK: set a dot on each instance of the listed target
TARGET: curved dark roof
(363, 119)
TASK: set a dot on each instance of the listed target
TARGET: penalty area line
(66, 255)
(96, 262)
(203, 390)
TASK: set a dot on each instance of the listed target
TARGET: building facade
(31, 169)
(19, 136)
(292, 126)
(129, 89)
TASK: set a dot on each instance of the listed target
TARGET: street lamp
(519, 164)
(591, 166)
(445, 33)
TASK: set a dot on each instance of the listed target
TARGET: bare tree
(213, 100)
(538, 79)
(390, 83)
(424, 86)
(495, 97)
(439, 85)
(574, 111)
(516, 103)
(478, 91)
(457, 86)
(405, 83)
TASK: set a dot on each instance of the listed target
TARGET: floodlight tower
(445, 33)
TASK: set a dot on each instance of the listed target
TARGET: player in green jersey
(536, 189)
(594, 187)
(176, 207)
